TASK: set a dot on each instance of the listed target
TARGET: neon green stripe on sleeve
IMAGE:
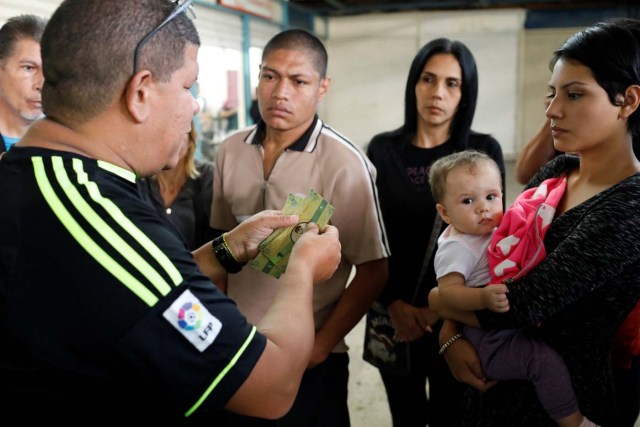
(222, 374)
(118, 243)
(126, 224)
(87, 243)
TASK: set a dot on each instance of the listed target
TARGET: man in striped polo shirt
(292, 151)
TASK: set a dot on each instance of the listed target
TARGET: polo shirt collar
(305, 143)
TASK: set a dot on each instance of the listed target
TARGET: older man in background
(21, 77)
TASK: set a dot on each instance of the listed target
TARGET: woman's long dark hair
(461, 123)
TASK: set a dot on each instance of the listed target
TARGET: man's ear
(137, 95)
(631, 101)
(443, 213)
(324, 87)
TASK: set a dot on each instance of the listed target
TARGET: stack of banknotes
(275, 249)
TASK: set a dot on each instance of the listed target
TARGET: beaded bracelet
(225, 257)
(450, 341)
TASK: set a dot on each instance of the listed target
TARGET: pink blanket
(517, 245)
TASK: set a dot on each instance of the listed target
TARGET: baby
(468, 192)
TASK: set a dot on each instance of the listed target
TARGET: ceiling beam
(337, 4)
(355, 7)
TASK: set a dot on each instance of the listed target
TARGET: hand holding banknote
(244, 239)
(320, 250)
(275, 250)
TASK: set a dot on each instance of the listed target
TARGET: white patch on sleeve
(192, 319)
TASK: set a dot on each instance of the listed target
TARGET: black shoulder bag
(380, 349)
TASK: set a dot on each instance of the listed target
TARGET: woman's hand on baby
(465, 365)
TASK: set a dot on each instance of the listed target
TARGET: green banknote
(276, 249)
(293, 206)
(265, 265)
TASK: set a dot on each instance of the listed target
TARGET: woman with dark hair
(184, 194)
(578, 296)
(440, 101)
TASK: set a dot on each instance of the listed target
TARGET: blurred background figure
(229, 116)
(254, 110)
(183, 194)
(538, 151)
(21, 77)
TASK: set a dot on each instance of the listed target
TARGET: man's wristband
(224, 255)
(450, 341)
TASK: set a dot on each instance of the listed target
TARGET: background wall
(369, 58)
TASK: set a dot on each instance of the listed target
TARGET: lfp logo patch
(189, 316)
(192, 319)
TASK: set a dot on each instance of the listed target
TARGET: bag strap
(433, 240)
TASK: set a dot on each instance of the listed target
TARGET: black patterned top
(574, 300)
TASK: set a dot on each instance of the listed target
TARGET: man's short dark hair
(21, 27)
(297, 39)
(87, 52)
